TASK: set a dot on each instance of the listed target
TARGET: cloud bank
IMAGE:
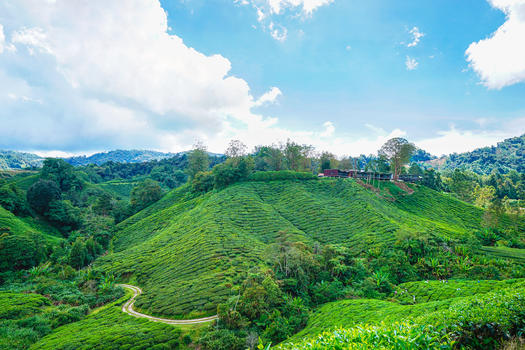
(499, 60)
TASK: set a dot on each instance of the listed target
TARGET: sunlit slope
(26, 227)
(429, 296)
(186, 251)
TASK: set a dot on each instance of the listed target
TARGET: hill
(505, 156)
(377, 322)
(187, 251)
(410, 300)
(119, 156)
(19, 160)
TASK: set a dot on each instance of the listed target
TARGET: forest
(283, 257)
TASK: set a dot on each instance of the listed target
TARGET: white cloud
(499, 60)
(278, 32)
(307, 6)
(416, 36)
(4, 45)
(267, 10)
(455, 140)
(329, 129)
(32, 38)
(2, 39)
(114, 63)
(269, 97)
(411, 63)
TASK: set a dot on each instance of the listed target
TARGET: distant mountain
(505, 156)
(19, 160)
(119, 156)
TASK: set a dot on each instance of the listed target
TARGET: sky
(78, 77)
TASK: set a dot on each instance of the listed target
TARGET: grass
(187, 251)
(109, 328)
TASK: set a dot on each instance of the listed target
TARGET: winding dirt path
(128, 308)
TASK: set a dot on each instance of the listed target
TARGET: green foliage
(203, 182)
(463, 311)
(64, 215)
(222, 339)
(281, 175)
(232, 170)
(46, 298)
(392, 336)
(13, 199)
(432, 179)
(505, 156)
(62, 173)
(21, 252)
(189, 252)
(198, 160)
(41, 194)
(110, 328)
(269, 158)
(398, 151)
(78, 256)
(145, 194)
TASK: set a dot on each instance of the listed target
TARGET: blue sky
(341, 75)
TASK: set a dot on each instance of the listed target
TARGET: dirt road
(128, 308)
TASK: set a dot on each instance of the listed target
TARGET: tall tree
(327, 161)
(198, 159)
(293, 154)
(61, 173)
(144, 194)
(236, 149)
(398, 151)
(41, 194)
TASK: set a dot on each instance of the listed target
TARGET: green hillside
(187, 250)
(19, 160)
(109, 328)
(25, 227)
(430, 296)
(474, 303)
(505, 156)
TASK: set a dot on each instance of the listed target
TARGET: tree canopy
(398, 151)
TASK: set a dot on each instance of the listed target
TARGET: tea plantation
(490, 308)
(187, 251)
(109, 328)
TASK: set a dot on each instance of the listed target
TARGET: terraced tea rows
(15, 226)
(427, 291)
(187, 251)
(466, 296)
(110, 328)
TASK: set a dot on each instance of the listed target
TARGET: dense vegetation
(35, 302)
(109, 328)
(320, 240)
(505, 156)
(281, 255)
(477, 314)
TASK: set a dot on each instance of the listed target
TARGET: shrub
(281, 175)
(395, 336)
(41, 194)
(203, 181)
